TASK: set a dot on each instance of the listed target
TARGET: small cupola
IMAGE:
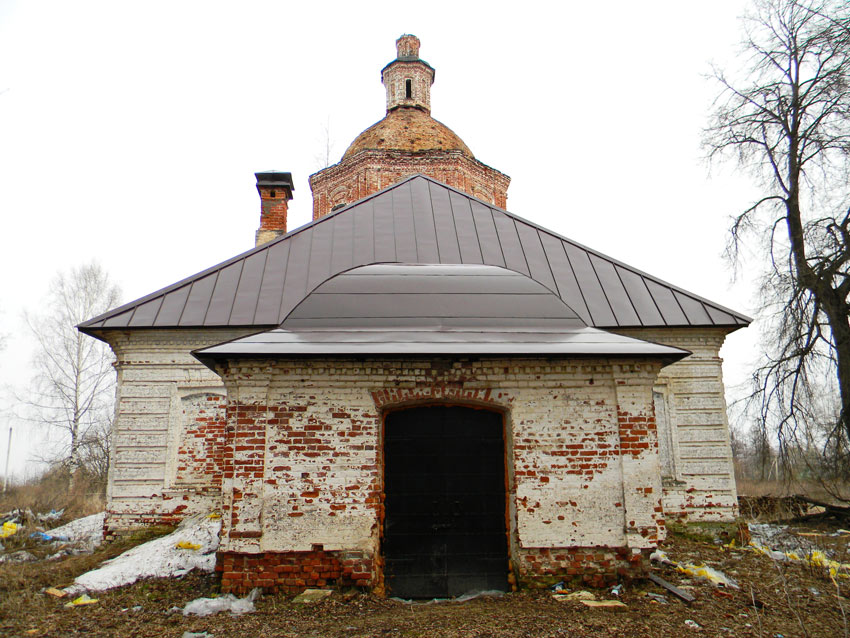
(408, 79)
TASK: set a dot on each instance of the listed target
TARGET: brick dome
(408, 129)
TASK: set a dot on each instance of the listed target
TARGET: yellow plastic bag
(8, 529)
(187, 545)
(82, 600)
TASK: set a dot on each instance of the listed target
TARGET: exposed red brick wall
(274, 209)
(244, 460)
(593, 566)
(639, 444)
(372, 170)
(291, 572)
(200, 455)
(303, 462)
(438, 392)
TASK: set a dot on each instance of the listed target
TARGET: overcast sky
(130, 132)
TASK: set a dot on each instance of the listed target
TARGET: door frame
(507, 456)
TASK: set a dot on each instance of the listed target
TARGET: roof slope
(417, 220)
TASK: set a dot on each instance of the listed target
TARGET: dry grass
(786, 594)
(55, 491)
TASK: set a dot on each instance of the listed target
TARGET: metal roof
(402, 296)
(410, 309)
(574, 342)
(417, 220)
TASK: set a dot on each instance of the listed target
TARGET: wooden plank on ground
(671, 588)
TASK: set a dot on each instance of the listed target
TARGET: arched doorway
(444, 484)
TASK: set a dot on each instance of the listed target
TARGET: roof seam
(209, 301)
(434, 219)
(454, 225)
(236, 291)
(654, 301)
(186, 301)
(260, 286)
(549, 265)
(575, 278)
(626, 290)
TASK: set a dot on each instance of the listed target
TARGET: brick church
(419, 392)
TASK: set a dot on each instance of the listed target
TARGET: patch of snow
(159, 558)
(209, 606)
(86, 532)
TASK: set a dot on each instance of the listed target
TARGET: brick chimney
(275, 190)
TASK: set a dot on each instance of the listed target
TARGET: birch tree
(74, 385)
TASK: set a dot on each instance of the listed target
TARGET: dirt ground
(775, 599)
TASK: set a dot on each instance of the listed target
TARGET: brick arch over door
(387, 399)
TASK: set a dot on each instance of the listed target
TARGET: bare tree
(786, 119)
(74, 386)
(326, 150)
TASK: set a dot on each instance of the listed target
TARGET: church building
(419, 392)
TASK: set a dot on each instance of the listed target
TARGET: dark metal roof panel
(405, 230)
(384, 228)
(591, 290)
(248, 289)
(221, 303)
(565, 279)
(196, 305)
(321, 249)
(364, 233)
(295, 280)
(695, 311)
(120, 320)
(447, 243)
(342, 253)
(271, 288)
(145, 313)
(642, 301)
(436, 223)
(172, 307)
(488, 238)
(510, 243)
(535, 257)
(667, 304)
(721, 318)
(423, 223)
(467, 236)
(615, 293)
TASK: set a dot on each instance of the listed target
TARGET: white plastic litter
(470, 595)
(209, 606)
(660, 556)
(475, 593)
(159, 558)
(710, 574)
(87, 532)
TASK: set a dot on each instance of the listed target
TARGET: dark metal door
(444, 481)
